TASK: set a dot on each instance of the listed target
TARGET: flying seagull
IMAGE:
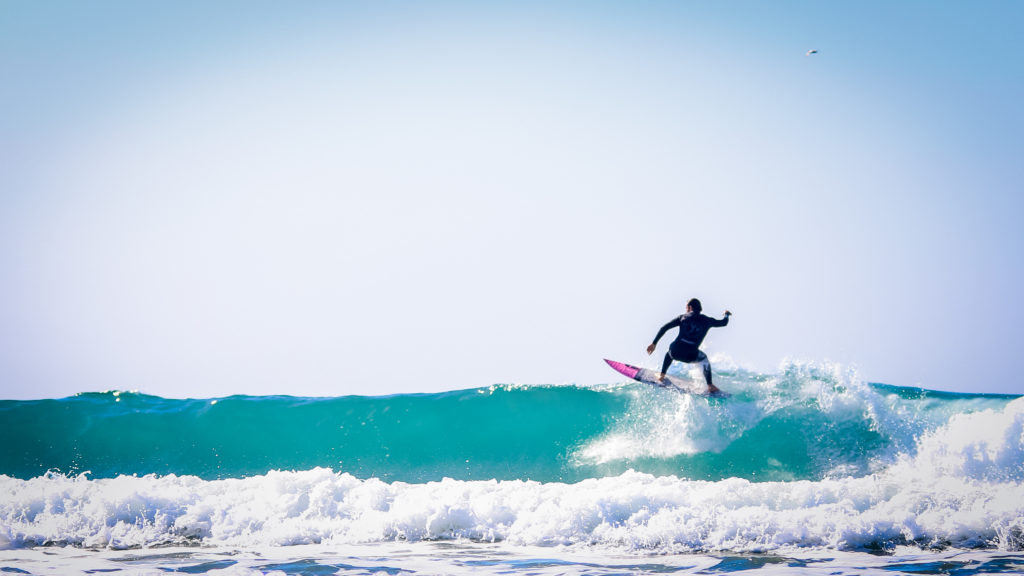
(809, 52)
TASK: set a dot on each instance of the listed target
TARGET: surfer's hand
(650, 349)
(727, 313)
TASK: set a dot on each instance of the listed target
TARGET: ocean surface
(806, 470)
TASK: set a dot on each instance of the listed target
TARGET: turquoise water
(795, 426)
(470, 434)
(807, 468)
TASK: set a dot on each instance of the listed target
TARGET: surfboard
(651, 377)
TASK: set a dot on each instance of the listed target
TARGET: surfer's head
(693, 305)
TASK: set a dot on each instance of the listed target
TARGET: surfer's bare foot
(712, 389)
(661, 377)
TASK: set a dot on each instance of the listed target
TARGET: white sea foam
(485, 558)
(660, 425)
(663, 425)
(987, 446)
(963, 488)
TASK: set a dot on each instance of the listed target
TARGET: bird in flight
(809, 52)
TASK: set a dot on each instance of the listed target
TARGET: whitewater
(806, 469)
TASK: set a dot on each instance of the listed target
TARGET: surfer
(693, 326)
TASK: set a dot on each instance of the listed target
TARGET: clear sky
(327, 198)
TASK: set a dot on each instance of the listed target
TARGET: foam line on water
(963, 488)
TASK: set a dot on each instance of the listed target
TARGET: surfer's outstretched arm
(719, 323)
(674, 323)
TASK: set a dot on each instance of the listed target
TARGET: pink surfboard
(651, 377)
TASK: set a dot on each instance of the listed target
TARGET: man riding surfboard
(693, 327)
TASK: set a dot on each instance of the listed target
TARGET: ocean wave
(806, 421)
(962, 487)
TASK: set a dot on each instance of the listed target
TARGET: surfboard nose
(624, 369)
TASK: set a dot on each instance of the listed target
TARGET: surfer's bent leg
(692, 355)
(666, 364)
(705, 365)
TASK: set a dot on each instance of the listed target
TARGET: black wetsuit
(693, 327)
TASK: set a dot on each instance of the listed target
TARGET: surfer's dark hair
(695, 304)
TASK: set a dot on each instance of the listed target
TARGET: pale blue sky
(321, 198)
